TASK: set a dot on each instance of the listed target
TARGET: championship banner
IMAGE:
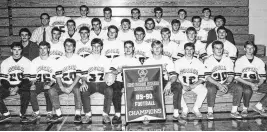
(144, 93)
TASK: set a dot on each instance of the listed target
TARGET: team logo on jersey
(142, 73)
(189, 70)
(140, 53)
(44, 68)
(96, 68)
(15, 68)
(217, 68)
(69, 68)
(250, 73)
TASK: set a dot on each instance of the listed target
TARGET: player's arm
(262, 73)
(230, 72)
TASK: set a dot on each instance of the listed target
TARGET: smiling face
(24, 36)
(43, 51)
(189, 51)
(222, 34)
(139, 36)
(218, 50)
(135, 14)
(128, 49)
(84, 11)
(97, 48)
(196, 22)
(112, 33)
(84, 34)
(45, 20)
(191, 35)
(166, 35)
(69, 47)
(157, 49)
(60, 11)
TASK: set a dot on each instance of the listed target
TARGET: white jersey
(76, 36)
(43, 70)
(82, 21)
(154, 35)
(102, 35)
(167, 65)
(170, 49)
(82, 49)
(161, 24)
(185, 24)
(112, 49)
(68, 68)
(125, 36)
(137, 23)
(250, 71)
(57, 50)
(189, 71)
(229, 50)
(202, 35)
(142, 51)
(178, 37)
(59, 21)
(219, 70)
(207, 25)
(94, 69)
(123, 61)
(200, 49)
(106, 24)
(14, 71)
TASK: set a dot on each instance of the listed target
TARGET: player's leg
(117, 87)
(201, 92)
(54, 93)
(211, 96)
(236, 90)
(247, 94)
(78, 103)
(34, 102)
(263, 102)
(49, 106)
(4, 92)
(184, 106)
(176, 89)
(86, 101)
(25, 96)
(107, 91)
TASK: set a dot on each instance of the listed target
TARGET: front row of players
(70, 74)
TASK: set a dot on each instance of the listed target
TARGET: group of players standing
(85, 55)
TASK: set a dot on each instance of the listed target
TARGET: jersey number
(43, 78)
(16, 76)
(69, 76)
(189, 80)
(220, 76)
(250, 76)
(93, 77)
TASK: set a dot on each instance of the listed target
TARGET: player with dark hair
(96, 31)
(60, 19)
(177, 35)
(135, 19)
(159, 21)
(151, 33)
(72, 32)
(30, 49)
(83, 46)
(83, 20)
(169, 47)
(182, 14)
(57, 49)
(108, 20)
(126, 33)
(201, 34)
(207, 22)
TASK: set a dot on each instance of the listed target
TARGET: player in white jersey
(97, 31)
(68, 73)
(83, 20)
(182, 14)
(42, 77)
(83, 46)
(108, 20)
(201, 33)
(142, 49)
(135, 19)
(169, 75)
(112, 46)
(200, 48)
(207, 23)
(169, 47)
(220, 76)
(190, 72)
(72, 32)
(159, 21)
(126, 33)
(93, 80)
(251, 74)
(56, 44)
(59, 20)
(177, 35)
(151, 33)
(229, 48)
(15, 71)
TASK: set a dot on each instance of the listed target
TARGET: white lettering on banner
(145, 112)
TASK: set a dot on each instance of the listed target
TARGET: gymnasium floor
(223, 122)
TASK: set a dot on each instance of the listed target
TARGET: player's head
(219, 20)
(56, 33)
(45, 19)
(135, 13)
(97, 45)
(113, 32)
(84, 32)
(16, 49)
(157, 48)
(221, 31)
(250, 48)
(107, 12)
(25, 34)
(60, 10)
(165, 33)
(158, 12)
(175, 24)
(96, 24)
(149, 24)
(139, 33)
(125, 24)
(217, 48)
(182, 13)
(129, 47)
(189, 49)
(71, 25)
(196, 20)
(191, 33)
(44, 48)
(206, 12)
(84, 10)
(69, 45)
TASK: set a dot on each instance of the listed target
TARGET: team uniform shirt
(200, 49)
(57, 50)
(162, 24)
(13, 71)
(68, 68)
(178, 37)
(189, 71)
(142, 51)
(43, 70)
(125, 36)
(167, 65)
(94, 70)
(113, 49)
(82, 21)
(106, 24)
(219, 70)
(59, 21)
(37, 34)
(137, 23)
(202, 35)
(229, 50)
(185, 24)
(123, 61)
(82, 49)
(154, 35)
(170, 49)
(76, 36)
(102, 35)
(207, 24)
(250, 71)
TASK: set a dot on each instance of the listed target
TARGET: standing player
(191, 74)
(182, 14)
(251, 74)
(68, 72)
(16, 71)
(219, 75)
(169, 47)
(169, 75)
(93, 80)
(135, 19)
(97, 31)
(59, 20)
(42, 77)
(160, 22)
(108, 20)
(151, 33)
(177, 35)
(57, 49)
(72, 32)
(126, 33)
(83, 47)
(207, 23)
(201, 34)
(83, 20)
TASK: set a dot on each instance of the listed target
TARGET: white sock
(118, 114)
(185, 110)
(49, 112)
(176, 112)
(210, 109)
(37, 112)
(77, 112)
(234, 109)
(7, 113)
(58, 112)
(259, 106)
(245, 108)
(104, 114)
(89, 114)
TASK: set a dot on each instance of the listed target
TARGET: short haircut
(44, 14)
(249, 43)
(139, 29)
(114, 27)
(182, 10)
(71, 20)
(97, 41)
(204, 9)
(25, 30)
(84, 6)
(129, 42)
(16, 44)
(217, 42)
(158, 9)
(44, 43)
(175, 21)
(221, 28)
(55, 29)
(156, 42)
(125, 20)
(95, 20)
(84, 28)
(150, 19)
(220, 17)
(165, 30)
(107, 9)
(61, 7)
(71, 41)
(136, 10)
(196, 17)
(190, 29)
(189, 45)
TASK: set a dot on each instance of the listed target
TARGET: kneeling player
(191, 74)
(250, 74)
(220, 75)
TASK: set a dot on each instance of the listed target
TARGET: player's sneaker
(210, 115)
(87, 119)
(77, 119)
(184, 115)
(262, 111)
(106, 119)
(24, 119)
(56, 118)
(35, 117)
(236, 115)
(198, 114)
(244, 113)
(48, 117)
(179, 120)
(116, 120)
(4, 118)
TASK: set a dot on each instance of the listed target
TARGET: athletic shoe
(106, 119)
(77, 119)
(244, 113)
(184, 115)
(87, 119)
(4, 118)
(236, 115)
(262, 111)
(116, 120)
(56, 118)
(35, 117)
(24, 119)
(198, 114)
(179, 120)
(210, 115)
(48, 117)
